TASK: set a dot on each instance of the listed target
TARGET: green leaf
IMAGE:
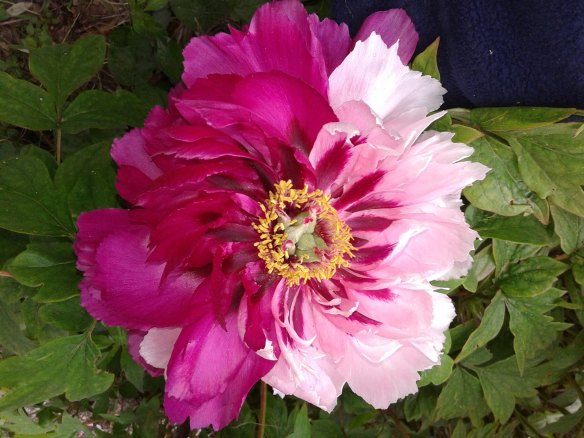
(301, 423)
(64, 365)
(20, 423)
(551, 163)
(533, 330)
(325, 428)
(426, 62)
(502, 191)
(438, 374)
(133, 371)
(102, 110)
(465, 134)
(518, 229)
(531, 277)
(26, 105)
(570, 228)
(12, 338)
(63, 68)
(11, 244)
(461, 397)
(170, 60)
(502, 383)
(490, 327)
(517, 118)
(563, 359)
(28, 199)
(197, 15)
(276, 417)
(506, 253)
(483, 265)
(68, 315)
(50, 266)
(86, 179)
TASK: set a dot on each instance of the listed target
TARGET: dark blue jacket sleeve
(496, 52)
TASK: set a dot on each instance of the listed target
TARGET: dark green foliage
(512, 363)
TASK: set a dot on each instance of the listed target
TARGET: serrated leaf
(551, 163)
(570, 229)
(531, 277)
(276, 417)
(68, 315)
(517, 118)
(502, 383)
(301, 423)
(502, 191)
(563, 359)
(11, 244)
(462, 396)
(533, 331)
(438, 374)
(518, 229)
(64, 365)
(63, 68)
(483, 265)
(133, 371)
(491, 324)
(465, 134)
(86, 179)
(50, 266)
(29, 202)
(426, 62)
(103, 110)
(197, 16)
(26, 105)
(506, 253)
(12, 338)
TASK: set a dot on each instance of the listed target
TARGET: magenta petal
(137, 169)
(393, 25)
(277, 30)
(291, 107)
(334, 40)
(129, 291)
(210, 373)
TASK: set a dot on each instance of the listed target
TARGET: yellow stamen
(273, 245)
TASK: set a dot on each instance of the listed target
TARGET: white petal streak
(373, 73)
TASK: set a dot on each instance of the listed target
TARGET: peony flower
(287, 216)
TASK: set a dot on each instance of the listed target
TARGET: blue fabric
(496, 52)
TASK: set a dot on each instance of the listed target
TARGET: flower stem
(262, 422)
(58, 145)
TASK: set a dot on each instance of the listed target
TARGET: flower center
(302, 236)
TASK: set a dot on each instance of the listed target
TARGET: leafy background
(75, 74)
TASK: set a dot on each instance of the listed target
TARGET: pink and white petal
(307, 373)
(393, 25)
(135, 338)
(210, 373)
(374, 73)
(157, 345)
(382, 382)
(431, 246)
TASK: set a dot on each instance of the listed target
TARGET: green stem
(526, 424)
(263, 398)
(58, 145)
